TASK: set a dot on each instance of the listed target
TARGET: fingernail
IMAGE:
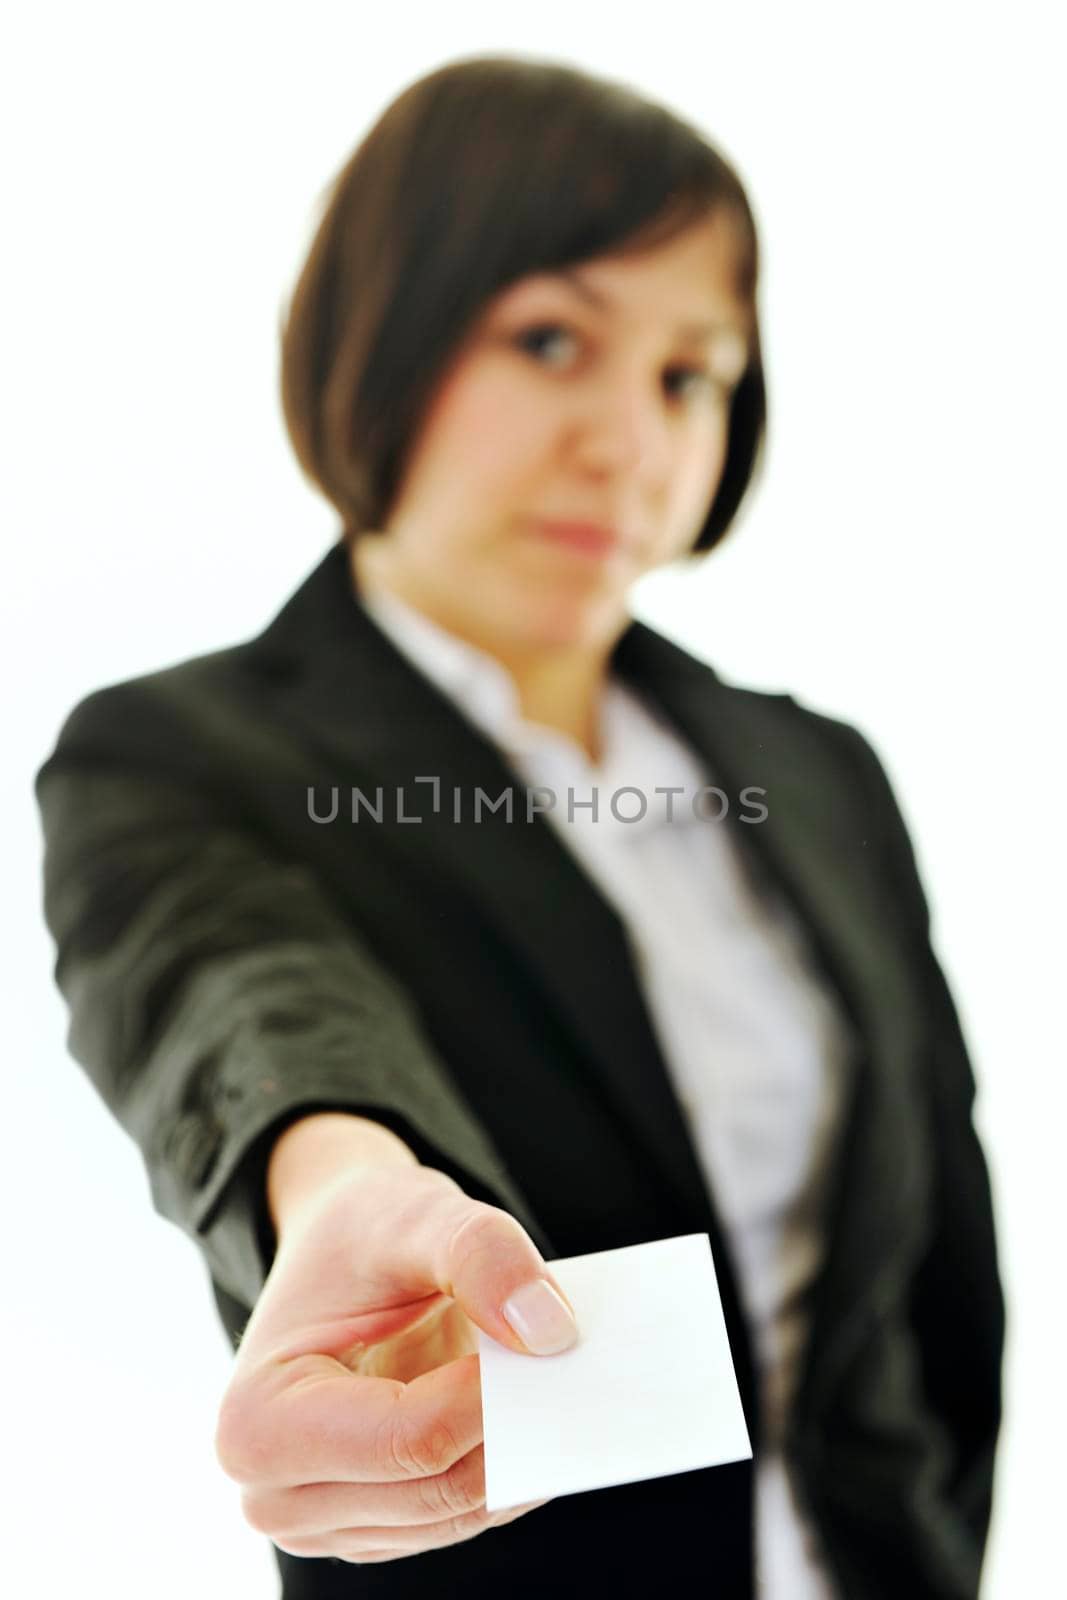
(540, 1318)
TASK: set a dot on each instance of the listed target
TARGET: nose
(624, 426)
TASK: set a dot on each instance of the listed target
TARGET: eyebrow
(685, 330)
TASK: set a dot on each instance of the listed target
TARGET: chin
(575, 625)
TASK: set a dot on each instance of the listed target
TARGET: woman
(403, 939)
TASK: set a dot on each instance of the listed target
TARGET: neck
(559, 687)
(563, 692)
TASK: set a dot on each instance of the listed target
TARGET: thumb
(369, 1260)
(488, 1263)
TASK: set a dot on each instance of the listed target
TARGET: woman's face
(598, 394)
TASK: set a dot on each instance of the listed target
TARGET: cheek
(483, 428)
(693, 485)
(699, 475)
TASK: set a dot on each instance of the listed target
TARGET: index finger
(310, 1420)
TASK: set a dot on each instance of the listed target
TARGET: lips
(592, 537)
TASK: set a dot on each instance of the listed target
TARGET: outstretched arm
(216, 994)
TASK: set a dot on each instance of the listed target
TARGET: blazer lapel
(377, 721)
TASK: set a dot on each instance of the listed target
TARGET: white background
(898, 567)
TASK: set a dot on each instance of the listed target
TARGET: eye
(535, 338)
(540, 339)
(704, 380)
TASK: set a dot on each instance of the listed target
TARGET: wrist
(312, 1153)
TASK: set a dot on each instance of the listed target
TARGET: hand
(353, 1418)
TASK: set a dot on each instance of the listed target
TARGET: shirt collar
(479, 683)
(638, 748)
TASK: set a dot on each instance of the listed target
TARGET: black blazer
(231, 963)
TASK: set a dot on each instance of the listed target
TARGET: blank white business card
(648, 1390)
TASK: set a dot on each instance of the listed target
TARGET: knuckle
(410, 1450)
(300, 1544)
(468, 1525)
(441, 1181)
(261, 1511)
(234, 1445)
(450, 1494)
(485, 1228)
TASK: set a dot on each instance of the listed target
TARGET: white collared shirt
(756, 1048)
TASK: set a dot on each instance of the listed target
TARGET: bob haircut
(483, 171)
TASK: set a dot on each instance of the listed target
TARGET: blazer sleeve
(957, 1306)
(215, 993)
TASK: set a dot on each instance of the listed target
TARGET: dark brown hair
(484, 170)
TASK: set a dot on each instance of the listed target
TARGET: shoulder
(178, 717)
(765, 718)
